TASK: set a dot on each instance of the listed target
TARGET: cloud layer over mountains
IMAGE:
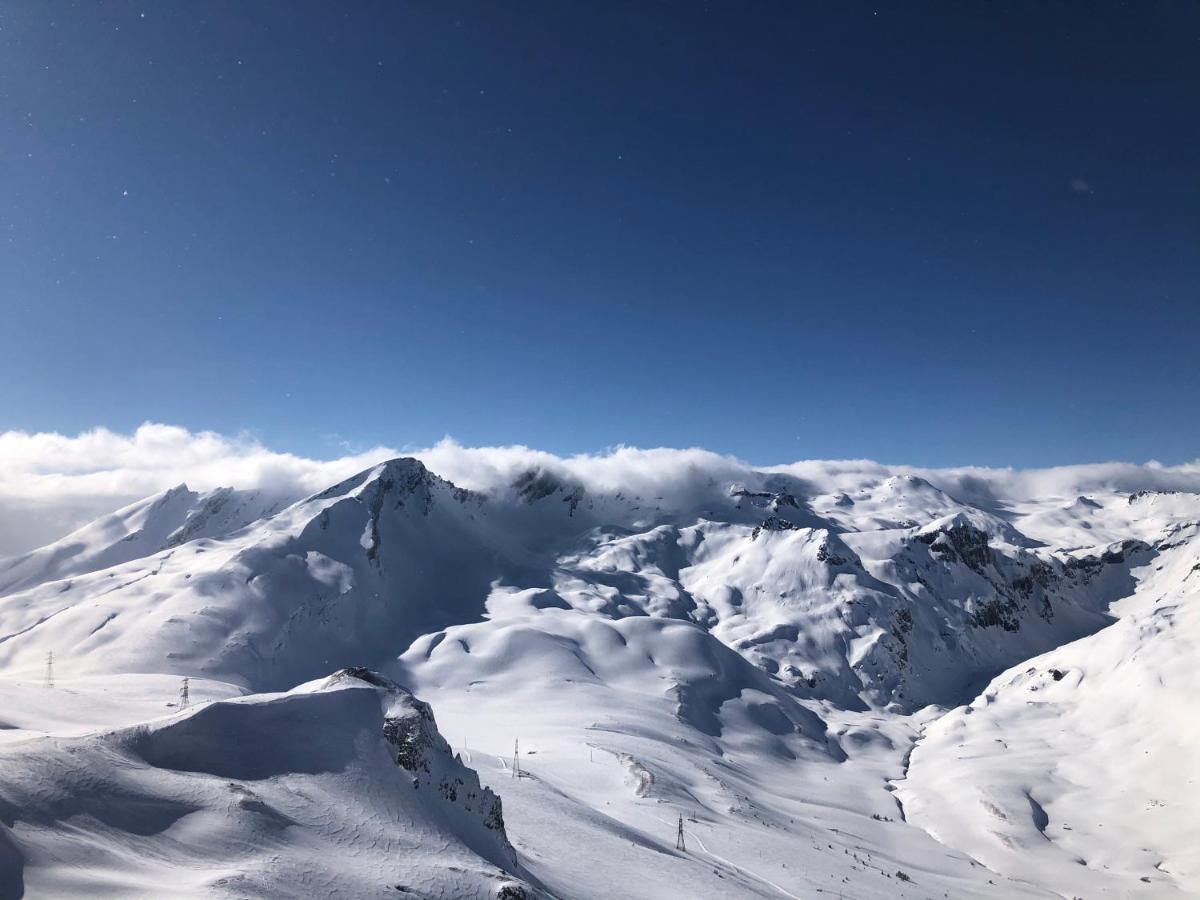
(52, 483)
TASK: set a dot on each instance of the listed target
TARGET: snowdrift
(342, 786)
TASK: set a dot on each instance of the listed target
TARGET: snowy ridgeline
(776, 660)
(209, 798)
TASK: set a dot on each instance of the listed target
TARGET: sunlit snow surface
(783, 663)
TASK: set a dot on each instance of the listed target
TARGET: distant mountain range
(863, 685)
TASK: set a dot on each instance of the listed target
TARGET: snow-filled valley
(842, 681)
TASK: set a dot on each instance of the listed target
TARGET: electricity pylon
(516, 766)
(679, 842)
(183, 694)
(50, 669)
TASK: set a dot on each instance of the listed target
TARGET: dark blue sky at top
(936, 234)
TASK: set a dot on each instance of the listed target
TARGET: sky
(931, 234)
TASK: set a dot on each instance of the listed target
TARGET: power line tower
(183, 694)
(50, 669)
(516, 766)
(679, 843)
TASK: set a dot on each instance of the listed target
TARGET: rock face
(773, 523)
(418, 747)
(772, 500)
(1104, 731)
(537, 484)
(960, 541)
(316, 762)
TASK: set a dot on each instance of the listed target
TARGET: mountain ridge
(707, 642)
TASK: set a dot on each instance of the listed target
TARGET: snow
(286, 795)
(834, 674)
(1078, 768)
(136, 531)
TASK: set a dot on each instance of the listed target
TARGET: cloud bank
(51, 483)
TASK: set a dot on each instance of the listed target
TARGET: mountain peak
(403, 465)
(403, 470)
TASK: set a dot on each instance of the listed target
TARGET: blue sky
(931, 234)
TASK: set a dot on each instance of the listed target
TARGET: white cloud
(52, 483)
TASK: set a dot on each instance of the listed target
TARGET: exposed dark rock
(573, 499)
(494, 816)
(1034, 586)
(409, 734)
(1085, 568)
(776, 500)
(999, 611)
(538, 484)
(535, 484)
(960, 542)
(773, 523)
(1118, 553)
(825, 555)
(362, 673)
(1138, 495)
(420, 749)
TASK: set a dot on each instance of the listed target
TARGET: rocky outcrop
(1086, 568)
(773, 523)
(962, 542)
(538, 484)
(1141, 495)
(419, 748)
(773, 500)
(827, 555)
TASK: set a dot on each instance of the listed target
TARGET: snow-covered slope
(758, 653)
(339, 787)
(1079, 768)
(355, 572)
(148, 526)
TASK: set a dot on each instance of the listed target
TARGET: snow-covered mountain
(164, 520)
(1078, 768)
(776, 657)
(339, 786)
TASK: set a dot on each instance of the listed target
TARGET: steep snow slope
(910, 616)
(339, 787)
(1078, 769)
(756, 653)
